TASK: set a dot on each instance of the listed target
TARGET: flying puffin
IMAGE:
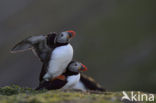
(67, 80)
(54, 50)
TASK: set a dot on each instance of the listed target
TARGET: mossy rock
(16, 94)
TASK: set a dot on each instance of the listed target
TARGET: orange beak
(71, 33)
(83, 68)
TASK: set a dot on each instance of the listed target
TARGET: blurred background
(116, 39)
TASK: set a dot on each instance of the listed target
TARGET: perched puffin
(54, 50)
(67, 80)
(71, 76)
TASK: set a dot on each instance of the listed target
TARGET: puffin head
(65, 37)
(76, 66)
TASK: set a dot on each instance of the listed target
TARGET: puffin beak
(71, 33)
(83, 68)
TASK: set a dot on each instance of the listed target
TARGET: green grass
(16, 94)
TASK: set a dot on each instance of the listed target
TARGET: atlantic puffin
(67, 80)
(85, 83)
(54, 50)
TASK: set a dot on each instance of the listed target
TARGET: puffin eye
(61, 35)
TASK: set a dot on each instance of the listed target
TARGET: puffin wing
(38, 44)
(27, 43)
(90, 83)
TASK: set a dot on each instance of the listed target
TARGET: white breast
(72, 81)
(79, 86)
(60, 58)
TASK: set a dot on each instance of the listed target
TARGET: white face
(75, 67)
(63, 37)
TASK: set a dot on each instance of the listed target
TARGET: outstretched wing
(27, 43)
(90, 83)
(38, 44)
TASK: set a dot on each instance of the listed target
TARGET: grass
(16, 94)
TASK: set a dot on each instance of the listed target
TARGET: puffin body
(53, 50)
(59, 59)
(67, 80)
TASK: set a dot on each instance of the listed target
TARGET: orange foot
(61, 77)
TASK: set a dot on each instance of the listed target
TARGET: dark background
(116, 39)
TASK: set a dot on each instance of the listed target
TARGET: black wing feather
(42, 45)
(90, 83)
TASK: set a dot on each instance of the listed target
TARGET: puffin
(54, 50)
(67, 80)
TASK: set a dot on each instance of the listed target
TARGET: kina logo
(137, 96)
